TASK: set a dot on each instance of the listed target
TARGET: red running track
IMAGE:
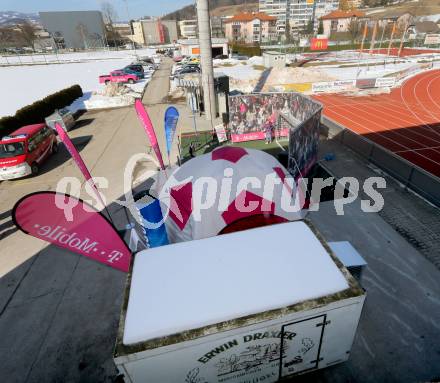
(405, 121)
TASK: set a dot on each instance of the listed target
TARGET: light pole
(205, 44)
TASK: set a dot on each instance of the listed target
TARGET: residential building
(170, 30)
(138, 33)
(188, 29)
(298, 13)
(217, 27)
(158, 31)
(44, 41)
(340, 21)
(76, 29)
(123, 29)
(277, 9)
(191, 47)
(251, 28)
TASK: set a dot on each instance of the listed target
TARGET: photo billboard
(251, 115)
(290, 115)
(303, 144)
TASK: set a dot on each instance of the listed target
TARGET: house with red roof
(251, 28)
(339, 21)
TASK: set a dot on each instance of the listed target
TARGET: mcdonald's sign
(318, 44)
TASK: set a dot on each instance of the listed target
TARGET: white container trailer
(254, 306)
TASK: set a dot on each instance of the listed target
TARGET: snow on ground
(243, 75)
(350, 73)
(25, 84)
(281, 76)
(74, 56)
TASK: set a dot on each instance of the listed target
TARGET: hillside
(429, 9)
(11, 17)
(217, 8)
(234, 9)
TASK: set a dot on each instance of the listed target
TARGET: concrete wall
(80, 29)
(170, 29)
(413, 177)
(152, 33)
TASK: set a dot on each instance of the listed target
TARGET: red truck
(118, 76)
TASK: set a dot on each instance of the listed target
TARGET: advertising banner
(70, 223)
(303, 145)
(148, 126)
(344, 84)
(432, 38)
(299, 87)
(65, 139)
(324, 86)
(385, 82)
(318, 44)
(365, 83)
(221, 133)
(333, 86)
(171, 118)
(252, 115)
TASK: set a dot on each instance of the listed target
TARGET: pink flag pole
(148, 126)
(65, 139)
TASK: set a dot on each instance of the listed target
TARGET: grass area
(205, 142)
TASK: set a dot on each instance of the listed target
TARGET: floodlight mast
(205, 44)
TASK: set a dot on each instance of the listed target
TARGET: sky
(136, 8)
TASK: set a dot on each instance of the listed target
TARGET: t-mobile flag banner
(148, 126)
(65, 139)
(89, 233)
(171, 118)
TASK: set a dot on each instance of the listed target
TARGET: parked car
(139, 75)
(147, 60)
(135, 67)
(221, 57)
(63, 116)
(118, 76)
(23, 151)
(187, 70)
(146, 66)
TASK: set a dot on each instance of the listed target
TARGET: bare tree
(109, 13)
(110, 16)
(28, 30)
(7, 37)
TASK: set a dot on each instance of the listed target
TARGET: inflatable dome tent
(226, 190)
